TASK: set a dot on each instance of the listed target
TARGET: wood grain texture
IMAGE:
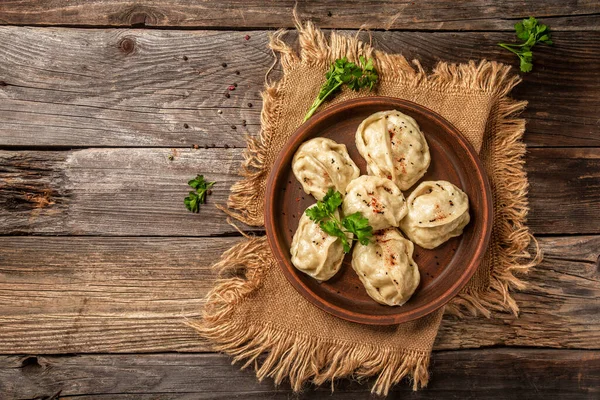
(113, 191)
(140, 88)
(101, 294)
(139, 191)
(388, 14)
(564, 189)
(534, 374)
(71, 294)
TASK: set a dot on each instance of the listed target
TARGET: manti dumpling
(378, 199)
(314, 252)
(437, 211)
(394, 147)
(386, 267)
(320, 164)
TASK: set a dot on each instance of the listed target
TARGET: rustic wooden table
(100, 262)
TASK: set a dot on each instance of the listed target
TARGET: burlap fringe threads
(300, 358)
(292, 355)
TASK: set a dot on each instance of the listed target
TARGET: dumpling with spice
(437, 211)
(386, 267)
(377, 199)
(314, 252)
(321, 164)
(394, 147)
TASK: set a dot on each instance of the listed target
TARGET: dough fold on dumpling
(394, 147)
(386, 268)
(320, 164)
(437, 211)
(377, 199)
(314, 252)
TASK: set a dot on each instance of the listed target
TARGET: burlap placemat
(257, 311)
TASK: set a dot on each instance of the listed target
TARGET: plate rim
(343, 313)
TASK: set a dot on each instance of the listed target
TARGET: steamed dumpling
(321, 164)
(437, 211)
(314, 252)
(394, 147)
(386, 268)
(378, 199)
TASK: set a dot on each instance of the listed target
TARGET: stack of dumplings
(397, 157)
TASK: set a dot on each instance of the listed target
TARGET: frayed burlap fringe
(512, 240)
(245, 197)
(293, 355)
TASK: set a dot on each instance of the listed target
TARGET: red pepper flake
(247, 37)
(389, 177)
(230, 87)
(297, 198)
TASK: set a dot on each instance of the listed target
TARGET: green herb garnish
(324, 214)
(531, 33)
(346, 72)
(198, 195)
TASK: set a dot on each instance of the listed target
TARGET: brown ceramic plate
(444, 270)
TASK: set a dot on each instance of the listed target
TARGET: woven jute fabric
(257, 317)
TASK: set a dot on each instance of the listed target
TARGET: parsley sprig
(198, 195)
(346, 72)
(531, 33)
(323, 213)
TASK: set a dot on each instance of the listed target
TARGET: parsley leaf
(323, 213)
(332, 200)
(531, 32)
(346, 72)
(358, 225)
(198, 196)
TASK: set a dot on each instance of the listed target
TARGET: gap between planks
(427, 15)
(535, 373)
(81, 294)
(139, 191)
(122, 88)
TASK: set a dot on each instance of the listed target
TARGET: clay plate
(444, 270)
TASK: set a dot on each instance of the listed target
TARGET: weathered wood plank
(140, 191)
(559, 308)
(101, 294)
(533, 374)
(139, 88)
(113, 191)
(565, 190)
(389, 14)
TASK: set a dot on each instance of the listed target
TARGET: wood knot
(138, 19)
(31, 365)
(127, 45)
